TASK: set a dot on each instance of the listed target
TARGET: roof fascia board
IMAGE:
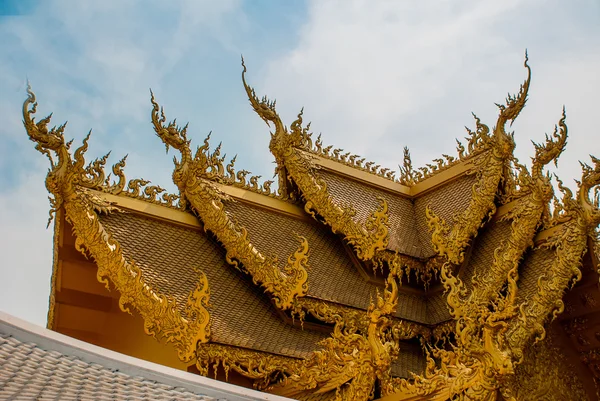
(160, 212)
(430, 183)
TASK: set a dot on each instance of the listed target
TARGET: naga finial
(281, 141)
(514, 105)
(590, 204)
(263, 107)
(171, 134)
(552, 149)
(46, 140)
(66, 173)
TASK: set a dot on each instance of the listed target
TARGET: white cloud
(26, 249)
(376, 76)
(91, 63)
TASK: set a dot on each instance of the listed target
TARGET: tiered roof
(346, 280)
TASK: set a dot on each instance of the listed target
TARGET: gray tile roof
(38, 364)
(29, 372)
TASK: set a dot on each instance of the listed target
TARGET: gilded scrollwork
(443, 332)
(346, 158)
(490, 350)
(534, 195)
(207, 201)
(569, 245)
(294, 164)
(544, 374)
(491, 356)
(264, 368)
(350, 362)
(51, 323)
(356, 319)
(490, 154)
(410, 176)
(424, 271)
(494, 322)
(68, 183)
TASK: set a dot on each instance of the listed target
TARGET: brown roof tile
(332, 276)
(363, 198)
(535, 263)
(240, 314)
(446, 201)
(482, 256)
(168, 256)
(409, 233)
(411, 359)
(437, 308)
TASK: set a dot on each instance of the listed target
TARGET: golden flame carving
(495, 327)
(69, 182)
(495, 350)
(490, 154)
(207, 202)
(286, 146)
(262, 367)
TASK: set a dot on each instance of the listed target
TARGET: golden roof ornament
(192, 176)
(72, 186)
(493, 347)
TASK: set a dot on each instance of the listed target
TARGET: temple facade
(471, 278)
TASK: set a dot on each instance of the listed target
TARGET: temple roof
(408, 229)
(170, 257)
(345, 277)
(37, 363)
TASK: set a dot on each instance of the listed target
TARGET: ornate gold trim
(153, 210)
(349, 362)
(263, 201)
(193, 175)
(262, 367)
(526, 216)
(491, 155)
(570, 245)
(493, 328)
(50, 321)
(358, 175)
(493, 339)
(294, 164)
(347, 159)
(456, 170)
(425, 271)
(355, 319)
(69, 183)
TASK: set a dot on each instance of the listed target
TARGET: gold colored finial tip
(243, 64)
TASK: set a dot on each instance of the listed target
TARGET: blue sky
(373, 76)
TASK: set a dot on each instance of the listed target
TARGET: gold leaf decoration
(69, 182)
(200, 191)
(286, 146)
(262, 367)
(490, 155)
